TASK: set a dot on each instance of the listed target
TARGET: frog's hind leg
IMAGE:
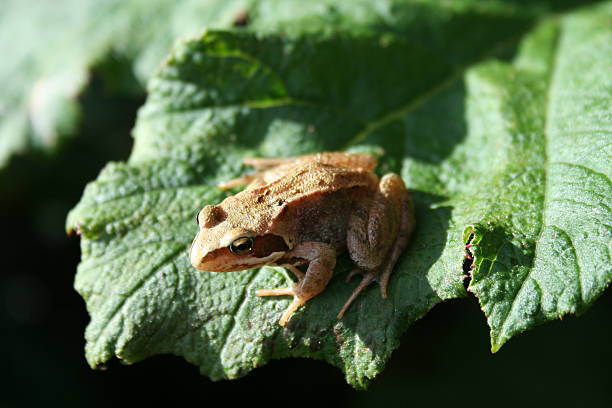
(377, 234)
(406, 226)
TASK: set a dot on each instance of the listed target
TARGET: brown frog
(305, 210)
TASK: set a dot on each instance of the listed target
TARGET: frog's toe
(381, 278)
(276, 292)
(352, 273)
(368, 277)
(297, 302)
(290, 291)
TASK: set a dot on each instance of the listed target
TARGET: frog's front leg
(321, 260)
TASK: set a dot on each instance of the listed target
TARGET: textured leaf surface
(543, 240)
(49, 48)
(472, 136)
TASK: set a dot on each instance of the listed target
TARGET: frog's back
(314, 201)
(309, 190)
(313, 179)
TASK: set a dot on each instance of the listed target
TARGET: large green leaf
(471, 136)
(49, 48)
(544, 207)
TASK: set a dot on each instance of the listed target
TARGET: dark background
(444, 359)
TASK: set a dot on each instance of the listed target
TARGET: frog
(305, 211)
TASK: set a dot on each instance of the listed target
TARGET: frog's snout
(196, 254)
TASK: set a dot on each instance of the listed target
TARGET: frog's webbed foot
(297, 301)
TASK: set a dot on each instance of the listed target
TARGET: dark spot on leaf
(315, 344)
(292, 342)
(241, 19)
(268, 346)
(339, 338)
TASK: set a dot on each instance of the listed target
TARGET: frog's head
(227, 243)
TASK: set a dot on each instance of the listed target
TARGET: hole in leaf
(468, 262)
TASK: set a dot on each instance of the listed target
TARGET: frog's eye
(241, 246)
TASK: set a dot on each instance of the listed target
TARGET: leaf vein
(572, 248)
(585, 168)
(547, 131)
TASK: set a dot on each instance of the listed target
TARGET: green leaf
(49, 49)
(471, 136)
(543, 233)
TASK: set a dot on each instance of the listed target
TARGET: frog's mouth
(219, 265)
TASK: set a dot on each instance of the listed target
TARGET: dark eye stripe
(267, 244)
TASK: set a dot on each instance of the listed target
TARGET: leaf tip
(497, 342)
